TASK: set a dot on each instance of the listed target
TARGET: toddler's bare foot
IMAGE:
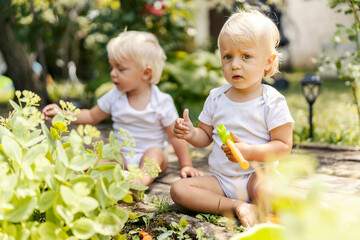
(247, 214)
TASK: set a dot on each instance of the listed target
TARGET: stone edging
(328, 147)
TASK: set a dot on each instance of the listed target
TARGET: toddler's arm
(86, 116)
(182, 152)
(198, 137)
(278, 147)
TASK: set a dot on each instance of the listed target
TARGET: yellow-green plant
(314, 213)
(51, 186)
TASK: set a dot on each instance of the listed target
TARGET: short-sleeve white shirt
(251, 121)
(146, 126)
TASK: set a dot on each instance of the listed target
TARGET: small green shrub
(51, 186)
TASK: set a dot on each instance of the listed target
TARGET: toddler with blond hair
(137, 105)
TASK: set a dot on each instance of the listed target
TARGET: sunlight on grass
(335, 117)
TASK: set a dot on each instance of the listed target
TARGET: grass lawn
(335, 117)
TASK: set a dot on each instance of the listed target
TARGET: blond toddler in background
(137, 105)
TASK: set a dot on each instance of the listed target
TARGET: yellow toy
(229, 141)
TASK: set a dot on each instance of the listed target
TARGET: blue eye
(227, 57)
(245, 56)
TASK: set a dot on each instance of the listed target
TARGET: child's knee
(176, 191)
(158, 155)
(155, 153)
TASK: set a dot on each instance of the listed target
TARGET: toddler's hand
(226, 149)
(50, 111)
(184, 128)
(190, 172)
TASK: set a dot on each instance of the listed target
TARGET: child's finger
(179, 131)
(186, 115)
(236, 138)
(179, 121)
(182, 127)
(225, 148)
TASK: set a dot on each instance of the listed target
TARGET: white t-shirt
(251, 121)
(146, 126)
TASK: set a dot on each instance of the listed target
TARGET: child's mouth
(237, 77)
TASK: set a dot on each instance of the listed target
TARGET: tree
(346, 62)
(18, 64)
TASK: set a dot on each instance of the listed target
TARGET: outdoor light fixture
(311, 88)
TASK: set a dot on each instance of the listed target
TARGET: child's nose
(236, 63)
(113, 72)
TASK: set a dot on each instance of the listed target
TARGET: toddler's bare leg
(204, 194)
(261, 191)
(156, 154)
(247, 213)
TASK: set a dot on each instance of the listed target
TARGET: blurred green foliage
(78, 31)
(316, 211)
(345, 59)
(189, 79)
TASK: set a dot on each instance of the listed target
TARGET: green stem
(354, 88)
(357, 24)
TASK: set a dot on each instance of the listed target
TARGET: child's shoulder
(270, 91)
(271, 94)
(216, 92)
(158, 96)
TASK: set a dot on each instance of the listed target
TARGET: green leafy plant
(177, 230)
(346, 61)
(51, 186)
(208, 217)
(162, 204)
(200, 235)
(147, 220)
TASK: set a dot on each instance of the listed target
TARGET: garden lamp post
(311, 88)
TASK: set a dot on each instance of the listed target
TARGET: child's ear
(270, 60)
(147, 73)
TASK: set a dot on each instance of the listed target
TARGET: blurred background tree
(63, 31)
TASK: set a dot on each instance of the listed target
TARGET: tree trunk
(15, 56)
(41, 54)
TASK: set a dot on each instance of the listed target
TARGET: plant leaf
(128, 198)
(81, 162)
(4, 132)
(12, 149)
(101, 191)
(83, 228)
(33, 153)
(48, 230)
(62, 157)
(87, 204)
(15, 105)
(23, 208)
(107, 224)
(47, 134)
(64, 213)
(46, 200)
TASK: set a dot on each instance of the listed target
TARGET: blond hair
(254, 28)
(141, 47)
